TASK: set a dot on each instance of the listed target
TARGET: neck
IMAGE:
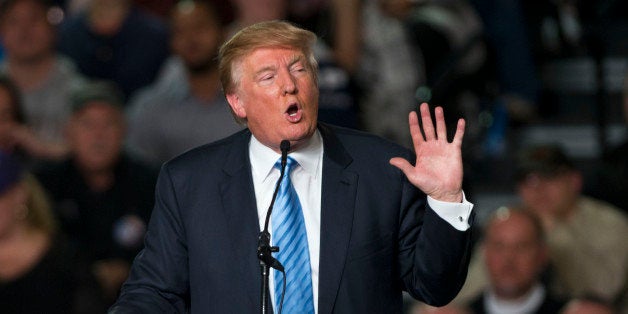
(204, 85)
(569, 210)
(512, 296)
(99, 181)
(525, 302)
(107, 17)
(29, 74)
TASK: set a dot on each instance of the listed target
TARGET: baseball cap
(98, 90)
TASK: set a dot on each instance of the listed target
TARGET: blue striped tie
(290, 236)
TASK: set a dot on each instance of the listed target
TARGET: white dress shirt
(307, 181)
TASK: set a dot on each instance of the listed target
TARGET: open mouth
(292, 110)
(293, 113)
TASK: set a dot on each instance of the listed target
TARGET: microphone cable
(283, 291)
(264, 237)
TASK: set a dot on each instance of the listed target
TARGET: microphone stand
(264, 250)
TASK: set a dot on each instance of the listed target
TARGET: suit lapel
(240, 210)
(337, 206)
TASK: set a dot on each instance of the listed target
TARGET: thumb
(402, 164)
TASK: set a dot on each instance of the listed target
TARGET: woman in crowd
(38, 270)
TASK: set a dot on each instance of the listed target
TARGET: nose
(289, 85)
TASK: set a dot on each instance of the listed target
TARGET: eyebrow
(295, 59)
(264, 69)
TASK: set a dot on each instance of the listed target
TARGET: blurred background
(96, 94)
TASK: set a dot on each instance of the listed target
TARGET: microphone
(264, 249)
(284, 147)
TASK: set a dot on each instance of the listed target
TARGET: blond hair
(267, 34)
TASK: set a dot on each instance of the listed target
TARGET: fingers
(459, 133)
(426, 119)
(415, 129)
(441, 128)
(428, 126)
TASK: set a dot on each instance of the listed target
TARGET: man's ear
(236, 105)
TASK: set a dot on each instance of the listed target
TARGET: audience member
(585, 236)
(514, 257)
(15, 135)
(39, 272)
(504, 24)
(73, 7)
(114, 40)
(337, 23)
(11, 117)
(454, 58)
(388, 74)
(515, 86)
(449, 35)
(338, 103)
(159, 8)
(555, 29)
(185, 107)
(43, 77)
(251, 12)
(102, 196)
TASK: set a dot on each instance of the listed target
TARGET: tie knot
(290, 163)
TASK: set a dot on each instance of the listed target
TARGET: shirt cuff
(456, 214)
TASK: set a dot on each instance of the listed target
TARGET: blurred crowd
(96, 94)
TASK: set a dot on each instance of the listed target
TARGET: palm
(438, 167)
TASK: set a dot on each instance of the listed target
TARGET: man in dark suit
(373, 230)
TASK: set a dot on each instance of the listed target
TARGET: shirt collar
(309, 156)
(529, 303)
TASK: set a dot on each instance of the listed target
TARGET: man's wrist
(455, 197)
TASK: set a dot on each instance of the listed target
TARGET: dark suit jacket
(378, 236)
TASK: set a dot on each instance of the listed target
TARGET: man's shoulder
(597, 208)
(598, 217)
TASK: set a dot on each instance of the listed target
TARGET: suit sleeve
(159, 280)
(433, 255)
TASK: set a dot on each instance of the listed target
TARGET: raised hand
(438, 167)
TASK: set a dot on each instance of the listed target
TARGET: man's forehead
(267, 59)
(273, 53)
